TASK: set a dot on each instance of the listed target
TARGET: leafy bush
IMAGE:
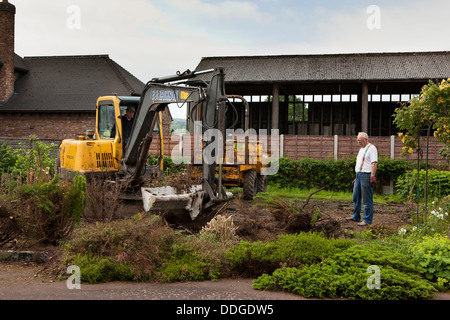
(8, 158)
(391, 169)
(430, 108)
(46, 212)
(289, 250)
(38, 155)
(333, 175)
(187, 264)
(433, 254)
(345, 274)
(438, 184)
(312, 173)
(95, 269)
(169, 166)
(143, 247)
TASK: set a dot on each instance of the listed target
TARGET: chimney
(7, 12)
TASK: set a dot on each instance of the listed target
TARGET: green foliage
(37, 155)
(433, 104)
(312, 173)
(187, 264)
(388, 168)
(49, 211)
(345, 274)
(75, 198)
(8, 158)
(433, 254)
(333, 175)
(290, 250)
(438, 184)
(94, 269)
(149, 249)
(169, 166)
(178, 126)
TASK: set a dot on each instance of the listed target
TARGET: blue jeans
(363, 190)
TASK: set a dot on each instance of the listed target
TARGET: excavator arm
(154, 99)
(211, 104)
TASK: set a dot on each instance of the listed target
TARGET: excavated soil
(255, 220)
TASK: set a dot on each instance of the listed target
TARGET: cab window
(106, 121)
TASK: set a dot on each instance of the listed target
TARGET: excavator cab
(98, 152)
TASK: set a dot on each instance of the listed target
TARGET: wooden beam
(275, 107)
(365, 108)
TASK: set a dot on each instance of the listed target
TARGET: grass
(298, 194)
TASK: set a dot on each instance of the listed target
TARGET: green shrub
(290, 250)
(438, 184)
(187, 264)
(391, 169)
(433, 254)
(49, 211)
(142, 242)
(345, 274)
(95, 269)
(169, 166)
(333, 175)
(149, 249)
(8, 158)
(312, 173)
(38, 155)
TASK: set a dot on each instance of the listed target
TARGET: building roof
(68, 83)
(413, 66)
(19, 64)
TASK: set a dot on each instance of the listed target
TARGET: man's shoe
(362, 224)
(351, 219)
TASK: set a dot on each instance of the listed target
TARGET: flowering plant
(433, 254)
(433, 104)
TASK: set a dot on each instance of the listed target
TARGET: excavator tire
(250, 184)
(262, 183)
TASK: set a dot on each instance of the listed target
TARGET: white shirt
(369, 156)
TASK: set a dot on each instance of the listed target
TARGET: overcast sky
(152, 38)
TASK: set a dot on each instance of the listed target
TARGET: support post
(336, 145)
(365, 108)
(275, 107)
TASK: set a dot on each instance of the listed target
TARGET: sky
(155, 38)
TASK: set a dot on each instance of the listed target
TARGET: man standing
(366, 168)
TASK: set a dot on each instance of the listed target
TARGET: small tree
(431, 107)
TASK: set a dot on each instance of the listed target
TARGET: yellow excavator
(111, 157)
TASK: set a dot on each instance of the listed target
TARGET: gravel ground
(22, 281)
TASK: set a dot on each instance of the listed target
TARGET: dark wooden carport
(342, 93)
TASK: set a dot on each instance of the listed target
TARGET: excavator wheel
(250, 184)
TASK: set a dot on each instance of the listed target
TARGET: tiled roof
(69, 83)
(332, 67)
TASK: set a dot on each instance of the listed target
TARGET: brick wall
(7, 12)
(46, 126)
(54, 126)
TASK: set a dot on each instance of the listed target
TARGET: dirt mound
(257, 220)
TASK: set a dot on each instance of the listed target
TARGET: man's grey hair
(363, 135)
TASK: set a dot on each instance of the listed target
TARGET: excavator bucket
(166, 199)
